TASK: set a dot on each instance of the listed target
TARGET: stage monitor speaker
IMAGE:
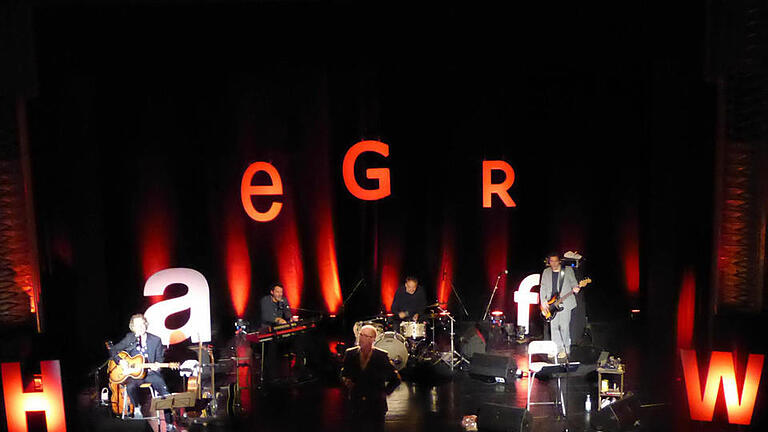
(621, 415)
(493, 365)
(493, 417)
(471, 341)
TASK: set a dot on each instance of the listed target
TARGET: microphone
(505, 271)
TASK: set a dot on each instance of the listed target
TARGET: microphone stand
(495, 287)
(344, 304)
(461, 303)
(357, 285)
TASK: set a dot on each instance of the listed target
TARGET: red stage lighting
(686, 308)
(630, 254)
(156, 236)
(496, 241)
(445, 274)
(289, 260)
(326, 261)
(238, 264)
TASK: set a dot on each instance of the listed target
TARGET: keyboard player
(275, 311)
(275, 308)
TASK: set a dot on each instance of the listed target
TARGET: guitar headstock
(584, 282)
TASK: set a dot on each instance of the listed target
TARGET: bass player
(559, 280)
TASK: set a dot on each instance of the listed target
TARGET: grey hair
(138, 315)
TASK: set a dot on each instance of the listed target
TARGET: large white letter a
(197, 300)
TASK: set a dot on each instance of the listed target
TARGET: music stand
(173, 400)
(557, 370)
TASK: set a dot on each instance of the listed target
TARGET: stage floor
(433, 400)
(435, 404)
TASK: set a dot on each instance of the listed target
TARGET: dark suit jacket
(155, 348)
(372, 384)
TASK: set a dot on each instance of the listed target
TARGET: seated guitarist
(138, 341)
(559, 280)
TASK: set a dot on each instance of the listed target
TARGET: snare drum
(396, 347)
(359, 325)
(413, 330)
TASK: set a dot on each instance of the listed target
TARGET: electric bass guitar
(555, 304)
(137, 368)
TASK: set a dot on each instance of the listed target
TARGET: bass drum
(395, 346)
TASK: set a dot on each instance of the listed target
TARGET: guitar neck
(581, 284)
(563, 297)
(151, 365)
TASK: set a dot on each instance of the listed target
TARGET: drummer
(409, 302)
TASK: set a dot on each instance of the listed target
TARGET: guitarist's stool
(124, 389)
(153, 394)
(161, 425)
(550, 349)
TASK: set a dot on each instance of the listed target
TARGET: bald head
(367, 337)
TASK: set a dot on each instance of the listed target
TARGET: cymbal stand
(455, 358)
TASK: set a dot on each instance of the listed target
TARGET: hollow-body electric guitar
(555, 304)
(137, 368)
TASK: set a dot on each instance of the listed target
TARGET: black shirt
(555, 286)
(271, 311)
(410, 303)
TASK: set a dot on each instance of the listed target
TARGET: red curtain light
(630, 255)
(156, 234)
(326, 260)
(686, 308)
(289, 260)
(390, 269)
(496, 251)
(445, 274)
(238, 263)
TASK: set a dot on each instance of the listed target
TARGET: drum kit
(411, 342)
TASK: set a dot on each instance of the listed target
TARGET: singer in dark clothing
(138, 341)
(409, 301)
(370, 376)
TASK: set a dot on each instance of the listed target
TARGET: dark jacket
(372, 384)
(409, 303)
(129, 344)
(271, 311)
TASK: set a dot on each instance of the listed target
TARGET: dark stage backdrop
(147, 117)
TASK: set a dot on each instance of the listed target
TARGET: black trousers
(158, 383)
